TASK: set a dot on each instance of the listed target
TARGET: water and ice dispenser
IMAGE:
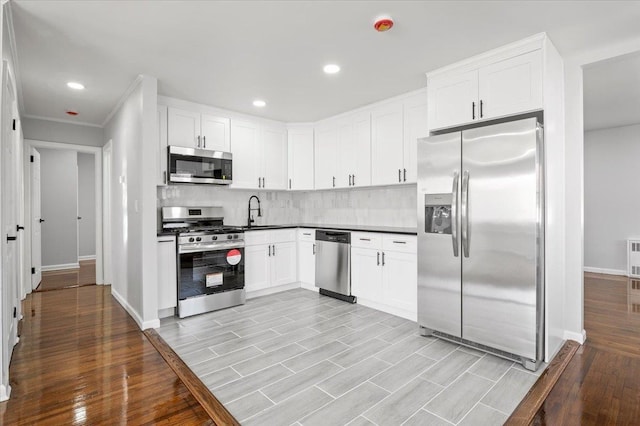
(437, 213)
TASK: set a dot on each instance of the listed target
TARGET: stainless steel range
(210, 259)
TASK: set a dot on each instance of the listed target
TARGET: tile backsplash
(380, 206)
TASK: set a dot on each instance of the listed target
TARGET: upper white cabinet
(195, 130)
(466, 94)
(300, 158)
(259, 155)
(325, 158)
(162, 154)
(387, 140)
(415, 127)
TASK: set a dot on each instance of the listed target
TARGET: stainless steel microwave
(191, 165)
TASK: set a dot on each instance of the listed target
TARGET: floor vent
(473, 345)
(633, 258)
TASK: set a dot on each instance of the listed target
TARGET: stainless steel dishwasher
(333, 264)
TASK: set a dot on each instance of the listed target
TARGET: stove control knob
(191, 240)
(215, 237)
(198, 239)
(235, 237)
(229, 237)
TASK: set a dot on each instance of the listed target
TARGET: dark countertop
(357, 228)
(353, 228)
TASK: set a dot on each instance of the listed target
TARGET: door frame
(97, 152)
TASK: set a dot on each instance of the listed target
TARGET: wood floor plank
(82, 360)
(67, 278)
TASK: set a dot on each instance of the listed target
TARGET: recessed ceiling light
(75, 86)
(259, 103)
(331, 69)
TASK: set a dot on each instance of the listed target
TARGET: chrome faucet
(250, 219)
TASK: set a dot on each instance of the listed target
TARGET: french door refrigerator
(481, 238)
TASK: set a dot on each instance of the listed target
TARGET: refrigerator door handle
(465, 213)
(454, 214)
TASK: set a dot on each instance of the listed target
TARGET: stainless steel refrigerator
(481, 238)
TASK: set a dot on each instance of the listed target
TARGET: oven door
(189, 165)
(203, 271)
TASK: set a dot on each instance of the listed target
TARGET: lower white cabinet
(384, 272)
(307, 258)
(167, 273)
(270, 259)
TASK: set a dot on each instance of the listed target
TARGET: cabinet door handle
(289, 183)
(314, 249)
(259, 183)
(353, 180)
(404, 171)
(198, 141)
(204, 141)
(263, 184)
(378, 259)
(399, 175)
(274, 250)
(365, 239)
(399, 242)
(473, 110)
(481, 108)
(334, 181)
(382, 258)
(269, 250)
(164, 174)
(349, 180)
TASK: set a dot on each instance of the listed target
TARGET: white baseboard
(308, 286)
(5, 391)
(154, 323)
(127, 307)
(578, 337)
(605, 271)
(166, 313)
(87, 257)
(45, 268)
(272, 290)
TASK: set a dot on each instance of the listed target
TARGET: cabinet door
(386, 144)
(283, 266)
(274, 148)
(453, 99)
(511, 86)
(246, 154)
(345, 153)
(400, 281)
(215, 133)
(300, 147)
(362, 147)
(167, 273)
(326, 145)
(184, 128)
(307, 263)
(415, 127)
(257, 267)
(162, 153)
(366, 274)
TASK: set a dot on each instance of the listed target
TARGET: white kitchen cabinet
(307, 258)
(192, 129)
(161, 160)
(326, 148)
(384, 272)
(300, 157)
(387, 140)
(415, 127)
(259, 155)
(272, 264)
(353, 155)
(506, 87)
(274, 158)
(167, 273)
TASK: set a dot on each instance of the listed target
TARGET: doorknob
(79, 217)
(41, 220)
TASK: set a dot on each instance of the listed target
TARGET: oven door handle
(208, 247)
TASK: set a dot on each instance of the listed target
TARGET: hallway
(65, 278)
(82, 359)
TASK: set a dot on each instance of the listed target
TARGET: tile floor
(300, 358)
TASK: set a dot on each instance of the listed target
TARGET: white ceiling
(612, 93)
(228, 53)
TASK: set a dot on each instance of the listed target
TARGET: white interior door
(36, 224)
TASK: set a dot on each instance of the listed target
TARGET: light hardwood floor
(65, 278)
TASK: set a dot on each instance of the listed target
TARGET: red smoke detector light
(383, 23)
(73, 113)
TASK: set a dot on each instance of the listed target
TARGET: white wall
(611, 196)
(59, 192)
(133, 132)
(86, 205)
(386, 206)
(55, 131)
